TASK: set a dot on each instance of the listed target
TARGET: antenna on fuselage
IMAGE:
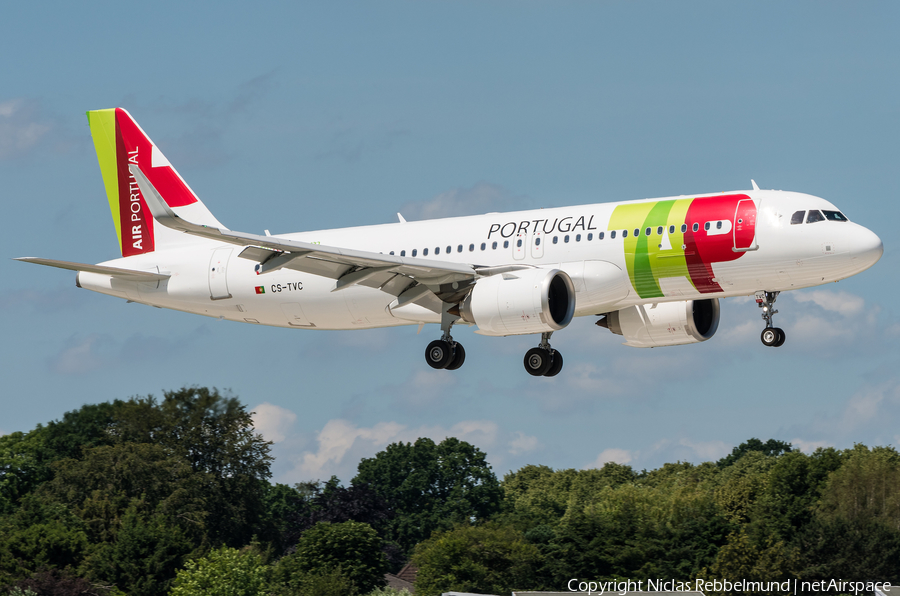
(753, 182)
(401, 218)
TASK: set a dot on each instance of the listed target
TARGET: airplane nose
(867, 248)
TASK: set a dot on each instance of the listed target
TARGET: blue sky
(301, 116)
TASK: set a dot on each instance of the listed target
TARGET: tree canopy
(149, 496)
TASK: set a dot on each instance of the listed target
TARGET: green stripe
(103, 131)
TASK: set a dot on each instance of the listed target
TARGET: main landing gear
(771, 336)
(445, 353)
(543, 361)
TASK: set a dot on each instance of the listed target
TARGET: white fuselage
(209, 278)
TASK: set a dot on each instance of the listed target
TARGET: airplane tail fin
(120, 142)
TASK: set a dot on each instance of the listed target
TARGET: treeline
(172, 496)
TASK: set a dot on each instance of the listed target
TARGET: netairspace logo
(623, 587)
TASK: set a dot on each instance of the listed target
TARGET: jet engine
(665, 323)
(520, 302)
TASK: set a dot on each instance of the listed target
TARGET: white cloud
(20, 127)
(808, 446)
(80, 355)
(483, 197)
(273, 422)
(341, 444)
(840, 302)
(619, 456)
(522, 443)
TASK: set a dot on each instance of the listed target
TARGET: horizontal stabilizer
(124, 274)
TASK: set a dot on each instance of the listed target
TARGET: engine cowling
(665, 323)
(520, 302)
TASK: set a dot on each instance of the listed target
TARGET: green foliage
(40, 534)
(223, 572)
(352, 547)
(22, 467)
(866, 487)
(487, 558)
(741, 558)
(770, 447)
(431, 486)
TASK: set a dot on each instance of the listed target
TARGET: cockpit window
(814, 216)
(797, 217)
(834, 216)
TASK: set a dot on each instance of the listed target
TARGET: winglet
(401, 218)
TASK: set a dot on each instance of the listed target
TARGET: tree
(214, 434)
(431, 486)
(223, 572)
(488, 558)
(770, 447)
(354, 548)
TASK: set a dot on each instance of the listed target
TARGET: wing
(424, 281)
(125, 274)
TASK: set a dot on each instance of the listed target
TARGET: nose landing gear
(771, 335)
(543, 361)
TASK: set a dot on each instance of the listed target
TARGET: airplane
(652, 270)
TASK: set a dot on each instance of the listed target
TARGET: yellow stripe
(103, 131)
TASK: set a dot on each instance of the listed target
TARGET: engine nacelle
(665, 323)
(520, 302)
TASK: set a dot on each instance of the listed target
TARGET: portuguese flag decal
(260, 289)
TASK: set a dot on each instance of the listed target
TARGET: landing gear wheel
(438, 354)
(538, 361)
(555, 365)
(771, 335)
(780, 341)
(459, 356)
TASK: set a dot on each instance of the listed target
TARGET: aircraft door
(745, 226)
(218, 274)
(520, 246)
(537, 245)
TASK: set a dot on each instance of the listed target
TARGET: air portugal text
(547, 226)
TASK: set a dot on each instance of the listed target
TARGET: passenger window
(612, 234)
(392, 252)
(659, 231)
(402, 253)
(483, 246)
(814, 216)
(834, 216)
(414, 252)
(537, 241)
(797, 217)
(437, 250)
(448, 249)
(555, 239)
(519, 243)
(506, 244)
(648, 231)
(424, 252)
(578, 238)
(566, 239)
(600, 236)
(590, 237)
(684, 228)
(471, 247)
(459, 248)
(637, 232)
(695, 227)
(706, 226)
(671, 229)
(624, 233)
(718, 225)
(494, 245)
